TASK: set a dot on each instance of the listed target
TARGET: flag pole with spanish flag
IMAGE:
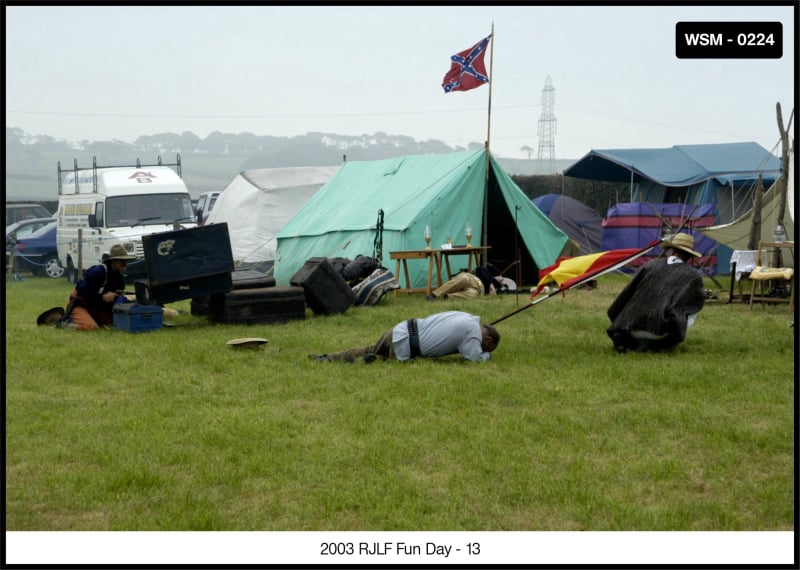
(573, 271)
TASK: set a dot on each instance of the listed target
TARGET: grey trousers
(383, 347)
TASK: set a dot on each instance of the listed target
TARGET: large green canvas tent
(443, 191)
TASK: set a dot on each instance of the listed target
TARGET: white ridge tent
(258, 203)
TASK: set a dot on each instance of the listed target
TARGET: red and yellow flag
(567, 272)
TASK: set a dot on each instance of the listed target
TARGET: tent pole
(733, 203)
(517, 208)
(631, 185)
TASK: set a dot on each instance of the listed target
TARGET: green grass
(174, 430)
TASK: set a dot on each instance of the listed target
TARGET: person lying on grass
(440, 334)
(469, 285)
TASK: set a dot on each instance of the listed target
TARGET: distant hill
(210, 163)
(531, 167)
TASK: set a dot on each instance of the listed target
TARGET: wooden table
(402, 257)
(473, 252)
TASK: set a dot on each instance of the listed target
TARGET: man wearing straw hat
(92, 301)
(658, 306)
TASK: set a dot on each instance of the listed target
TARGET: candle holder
(468, 231)
(427, 237)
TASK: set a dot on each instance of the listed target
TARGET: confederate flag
(467, 70)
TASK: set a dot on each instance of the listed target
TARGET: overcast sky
(103, 73)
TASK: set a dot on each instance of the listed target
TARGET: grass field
(174, 430)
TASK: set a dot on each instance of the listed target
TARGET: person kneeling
(91, 303)
(658, 306)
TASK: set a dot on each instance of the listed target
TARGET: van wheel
(52, 268)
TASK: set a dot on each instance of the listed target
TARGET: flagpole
(484, 233)
(489, 114)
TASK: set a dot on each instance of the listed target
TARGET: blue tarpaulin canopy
(723, 176)
(681, 165)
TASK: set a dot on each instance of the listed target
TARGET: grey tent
(580, 222)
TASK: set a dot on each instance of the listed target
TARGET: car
(204, 206)
(16, 212)
(37, 253)
(26, 227)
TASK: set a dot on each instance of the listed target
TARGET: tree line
(264, 151)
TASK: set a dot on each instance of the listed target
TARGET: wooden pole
(755, 228)
(11, 263)
(485, 230)
(80, 255)
(782, 185)
(489, 114)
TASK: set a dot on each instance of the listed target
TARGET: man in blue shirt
(440, 334)
(91, 303)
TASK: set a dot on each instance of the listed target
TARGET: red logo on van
(142, 177)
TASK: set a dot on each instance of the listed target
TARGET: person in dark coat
(91, 303)
(657, 307)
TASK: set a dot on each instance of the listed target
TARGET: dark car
(17, 212)
(36, 253)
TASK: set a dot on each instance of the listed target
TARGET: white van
(106, 205)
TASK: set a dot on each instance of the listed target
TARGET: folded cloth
(766, 273)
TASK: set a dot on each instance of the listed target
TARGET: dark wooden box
(263, 305)
(187, 263)
(326, 290)
(251, 279)
(148, 294)
(241, 279)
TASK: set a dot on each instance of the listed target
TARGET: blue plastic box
(133, 317)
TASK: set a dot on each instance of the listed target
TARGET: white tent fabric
(258, 203)
(736, 234)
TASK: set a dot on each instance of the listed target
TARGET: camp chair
(770, 273)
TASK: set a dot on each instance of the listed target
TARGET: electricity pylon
(545, 159)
